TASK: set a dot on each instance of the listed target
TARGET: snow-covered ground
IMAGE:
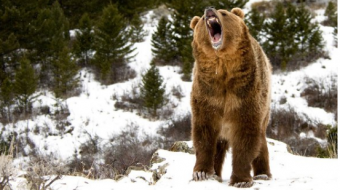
(93, 112)
(289, 172)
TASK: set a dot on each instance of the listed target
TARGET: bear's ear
(238, 12)
(194, 21)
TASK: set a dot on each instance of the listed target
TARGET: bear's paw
(243, 184)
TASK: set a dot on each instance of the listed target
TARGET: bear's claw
(243, 184)
(261, 177)
(200, 176)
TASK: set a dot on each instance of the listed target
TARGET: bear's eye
(224, 14)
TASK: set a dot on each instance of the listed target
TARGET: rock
(159, 172)
(182, 146)
(156, 159)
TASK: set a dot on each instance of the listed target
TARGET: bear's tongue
(217, 37)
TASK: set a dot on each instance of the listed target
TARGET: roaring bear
(230, 98)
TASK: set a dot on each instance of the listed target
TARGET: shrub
(4, 145)
(304, 147)
(88, 151)
(283, 124)
(331, 150)
(332, 138)
(7, 170)
(177, 130)
(130, 100)
(123, 151)
(43, 171)
(129, 149)
(286, 126)
(319, 95)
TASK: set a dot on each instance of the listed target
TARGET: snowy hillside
(93, 111)
(93, 114)
(289, 172)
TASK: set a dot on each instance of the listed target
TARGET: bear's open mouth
(214, 29)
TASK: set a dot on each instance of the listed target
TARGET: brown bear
(230, 98)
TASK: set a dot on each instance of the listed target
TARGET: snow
(289, 171)
(93, 112)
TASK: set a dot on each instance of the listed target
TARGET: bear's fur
(230, 98)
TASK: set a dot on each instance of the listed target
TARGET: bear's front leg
(245, 148)
(205, 132)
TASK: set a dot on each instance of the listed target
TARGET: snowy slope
(289, 172)
(93, 111)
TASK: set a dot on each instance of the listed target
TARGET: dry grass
(7, 170)
(43, 171)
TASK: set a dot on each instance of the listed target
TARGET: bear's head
(218, 30)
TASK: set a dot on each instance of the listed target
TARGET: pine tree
(218, 4)
(332, 14)
(163, 47)
(25, 85)
(292, 39)
(152, 90)
(335, 36)
(64, 74)
(137, 29)
(255, 21)
(187, 61)
(111, 43)
(8, 55)
(332, 19)
(181, 32)
(129, 8)
(51, 34)
(6, 98)
(83, 45)
(278, 37)
(308, 41)
(16, 17)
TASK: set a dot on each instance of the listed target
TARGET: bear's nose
(209, 8)
(209, 11)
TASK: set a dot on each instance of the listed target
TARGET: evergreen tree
(128, 8)
(255, 21)
(163, 46)
(332, 19)
(75, 9)
(218, 4)
(83, 45)
(332, 14)
(64, 72)
(25, 85)
(292, 39)
(6, 98)
(335, 36)
(16, 17)
(51, 29)
(152, 90)
(137, 29)
(278, 37)
(181, 33)
(111, 43)
(8, 55)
